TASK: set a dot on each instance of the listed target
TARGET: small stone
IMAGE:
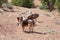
(47, 15)
(7, 10)
(57, 22)
(1, 11)
(59, 15)
(7, 7)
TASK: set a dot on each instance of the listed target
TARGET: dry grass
(48, 30)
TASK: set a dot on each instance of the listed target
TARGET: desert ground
(48, 29)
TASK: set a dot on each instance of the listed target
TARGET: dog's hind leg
(31, 28)
(30, 24)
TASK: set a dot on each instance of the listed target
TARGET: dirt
(48, 29)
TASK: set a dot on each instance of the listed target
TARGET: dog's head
(19, 19)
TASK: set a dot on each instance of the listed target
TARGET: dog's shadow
(35, 32)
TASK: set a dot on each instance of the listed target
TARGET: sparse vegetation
(20, 23)
(58, 4)
(43, 7)
(2, 1)
(23, 3)
(49, 3)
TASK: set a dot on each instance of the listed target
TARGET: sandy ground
(49, 29)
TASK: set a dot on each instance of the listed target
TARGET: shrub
(58, 4)
(2, 1)
(49, 3)
(43, 7)
(23, 3)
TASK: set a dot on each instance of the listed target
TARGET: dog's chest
(25, 22)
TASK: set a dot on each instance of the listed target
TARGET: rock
(7, 7)
(59, 15)
(47, 15)
(1, 11)
(57, 22)
(7, 10)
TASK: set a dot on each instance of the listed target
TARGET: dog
(28, 22)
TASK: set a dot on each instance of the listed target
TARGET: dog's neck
(24, 18)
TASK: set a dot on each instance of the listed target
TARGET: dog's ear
(18, 21)
(18, 18)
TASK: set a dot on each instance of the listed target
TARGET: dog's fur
(28, 22)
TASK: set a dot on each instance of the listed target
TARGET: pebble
(57, 22)
(47, 15)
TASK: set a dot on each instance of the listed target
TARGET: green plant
(2, 1)
(58, 4)
(23, 3)
(43, 7)
(49, 3)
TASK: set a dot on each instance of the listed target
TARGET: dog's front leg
(23, 28)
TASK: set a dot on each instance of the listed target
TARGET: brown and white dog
(27, 22)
